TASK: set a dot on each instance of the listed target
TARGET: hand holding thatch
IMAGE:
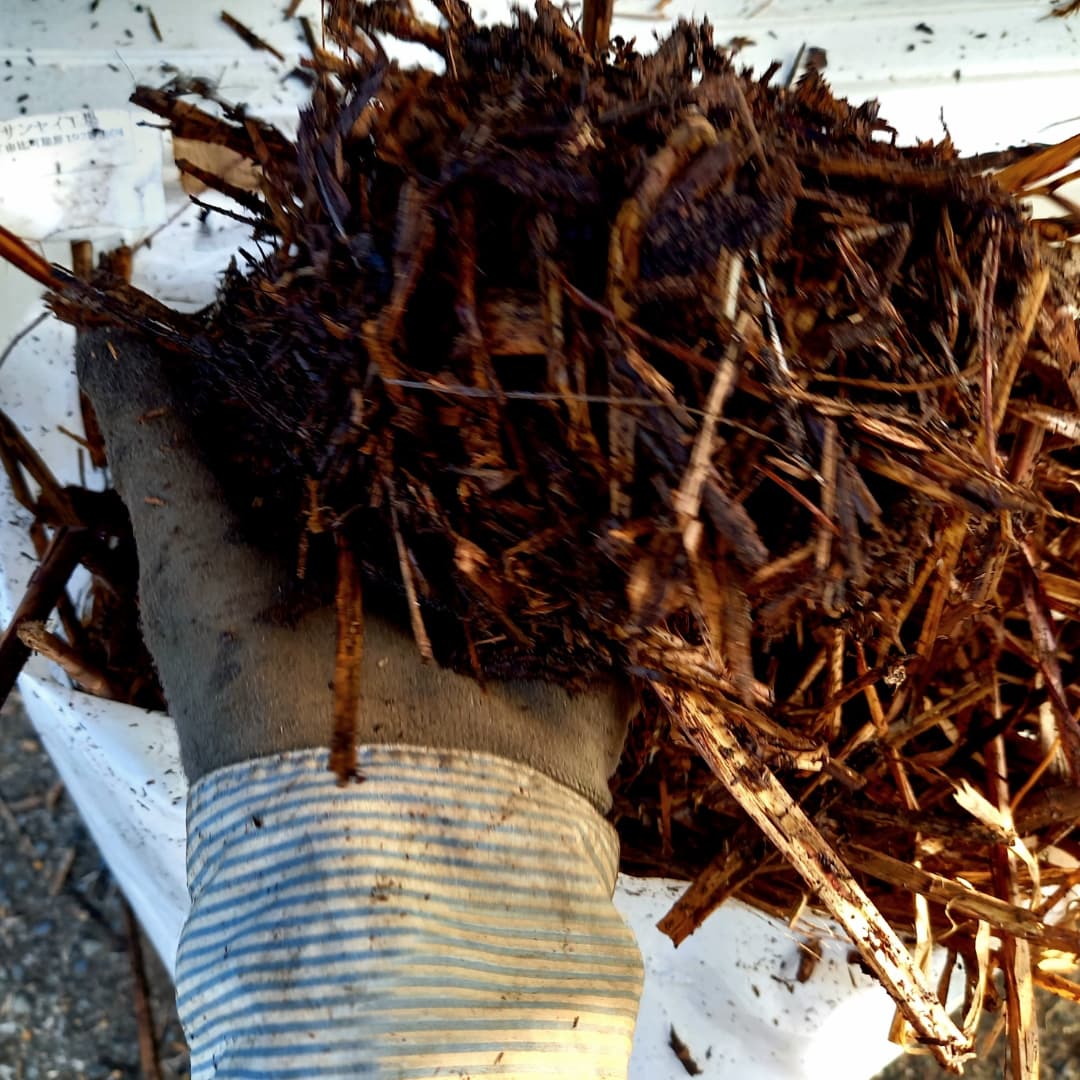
(457, 899)
(244, 680)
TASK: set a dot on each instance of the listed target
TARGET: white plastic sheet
(996, 73)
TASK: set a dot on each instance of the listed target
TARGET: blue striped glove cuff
(448, 916)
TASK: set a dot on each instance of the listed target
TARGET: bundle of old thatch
(624, 364)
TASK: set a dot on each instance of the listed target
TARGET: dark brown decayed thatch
(644, 366)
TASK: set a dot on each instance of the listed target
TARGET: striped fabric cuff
(450, 916)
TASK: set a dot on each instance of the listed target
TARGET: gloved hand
(240, 686)
(450, 912)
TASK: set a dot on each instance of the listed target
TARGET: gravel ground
(65, 970)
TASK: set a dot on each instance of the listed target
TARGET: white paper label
(88, 174)
(68, 141)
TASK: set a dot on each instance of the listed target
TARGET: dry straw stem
(1020, 1017)
(1058, 984)
(248, 36)
(784, 823)
(719, 881)
(46, 586)
(349, 610)
(959, 898)
(35, 636)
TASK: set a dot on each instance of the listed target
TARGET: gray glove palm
(241, 685)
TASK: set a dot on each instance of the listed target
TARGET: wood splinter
(45, 588)
(783, 821)
(85, 675)
(349, 609)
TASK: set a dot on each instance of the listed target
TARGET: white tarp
(996, 73)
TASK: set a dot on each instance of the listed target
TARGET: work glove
(450, 911)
